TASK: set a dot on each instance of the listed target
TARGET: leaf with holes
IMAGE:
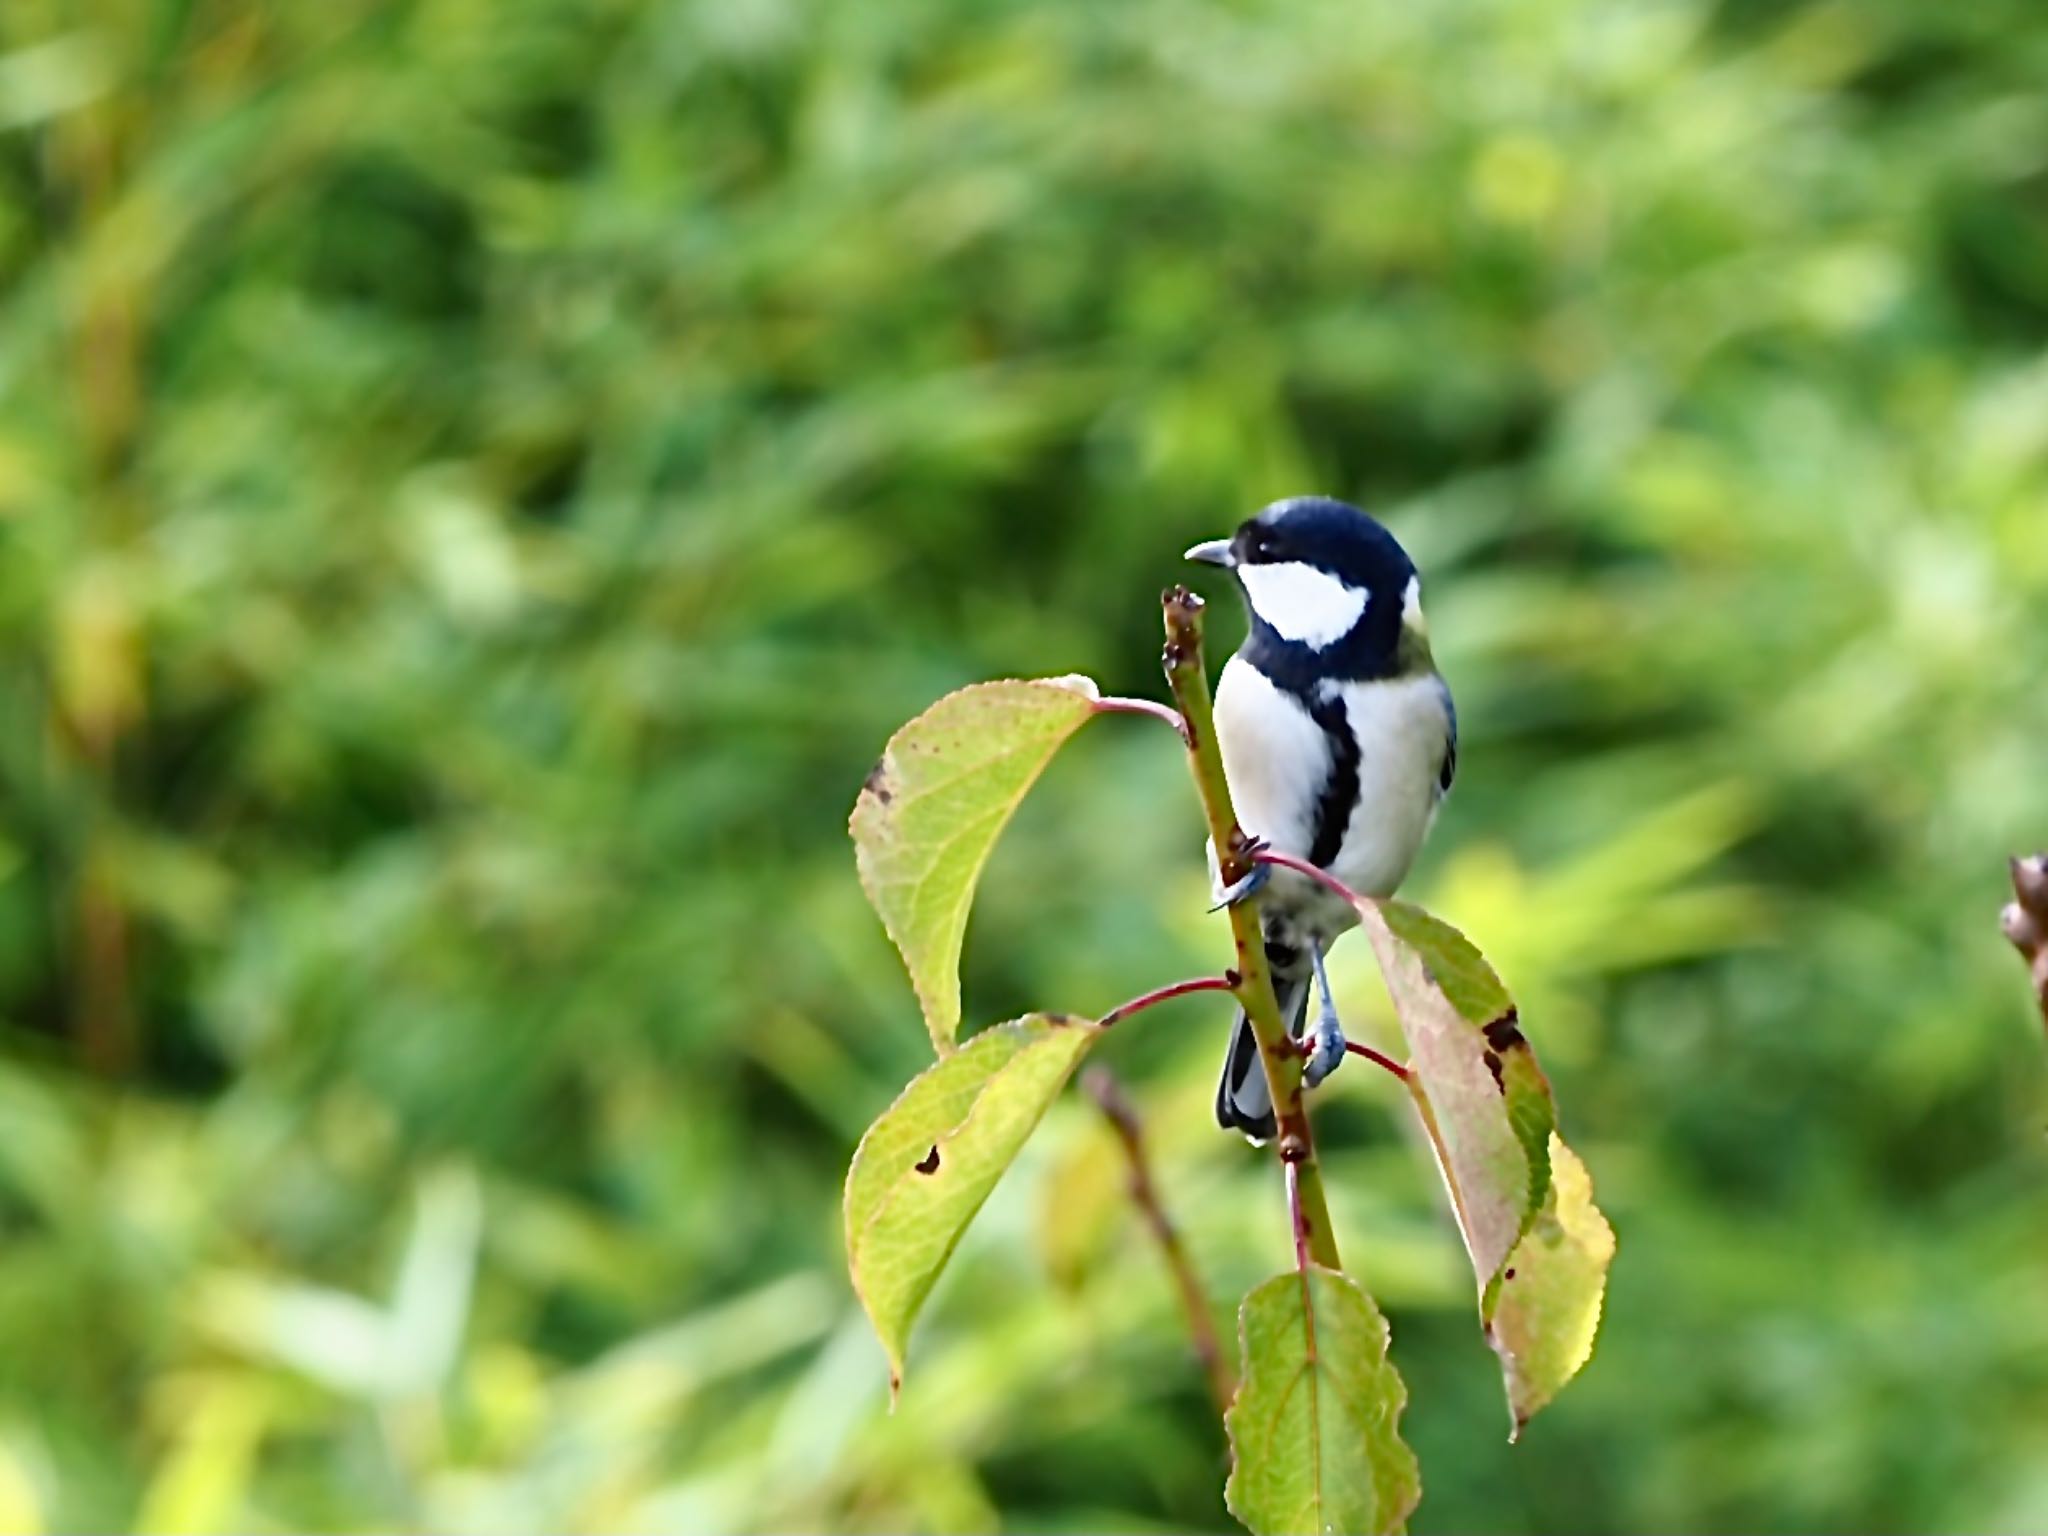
(1540, 1249)
(930, 812)
(1314, 1431)
(925, 1167)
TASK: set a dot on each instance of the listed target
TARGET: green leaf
(930, 812)
(1484, 1098)
(925, 1167)
(1314, 1430)
(1540, 1251)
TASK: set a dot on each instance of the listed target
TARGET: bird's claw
(1242, 890)
(1325, 1048)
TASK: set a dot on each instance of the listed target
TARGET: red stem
(1120, 706)
(1377, 1058)
(1322, 877)
(1122, 1011)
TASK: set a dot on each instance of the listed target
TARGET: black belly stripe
(1340, 790)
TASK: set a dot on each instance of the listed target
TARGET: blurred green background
(480, 479)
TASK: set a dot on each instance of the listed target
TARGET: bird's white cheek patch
(1411, 607)
(1304, 604)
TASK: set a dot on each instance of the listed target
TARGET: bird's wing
(1449, 771)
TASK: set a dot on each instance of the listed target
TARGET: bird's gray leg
(1325, 1034)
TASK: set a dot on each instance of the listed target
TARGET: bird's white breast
(1277, 759)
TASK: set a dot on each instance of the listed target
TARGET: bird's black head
(1332, 593)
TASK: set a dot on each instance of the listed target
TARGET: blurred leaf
(1314, 1431)
(931, 811)
(351, 1345)
(21, 1505)
(203, 1483)
(1078, 1206)
(928, 1163)
(334, 1338)
(430, 1302)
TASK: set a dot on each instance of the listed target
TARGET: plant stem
(1188, 677)
(1315, 872)
(1377, 1058)
(1331, 882)
(1122, 1011)
(1296, 1220)
(1120, 706)
(1102, 1087)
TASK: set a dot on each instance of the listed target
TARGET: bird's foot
(1324, 1048)
(1253, 882)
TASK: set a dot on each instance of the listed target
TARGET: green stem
(1188, 677)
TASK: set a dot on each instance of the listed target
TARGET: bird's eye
(1263, 545)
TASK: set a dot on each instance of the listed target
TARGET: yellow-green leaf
(1547, 1308)
(1315, 1428)
(930, 812)
(925, 1167)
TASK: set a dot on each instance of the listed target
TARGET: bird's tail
(1243, 1100)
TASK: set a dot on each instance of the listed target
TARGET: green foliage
(1313, 1424)
(475, 480)
(931, 811)
(1313, 1430)
(926, 1166)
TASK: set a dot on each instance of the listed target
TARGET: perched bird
(1339, 740)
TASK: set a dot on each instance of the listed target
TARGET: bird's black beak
(1215, 552)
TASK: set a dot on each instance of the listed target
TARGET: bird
(1339, 741)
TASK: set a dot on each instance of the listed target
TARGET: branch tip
(2024, 921)
(1187, 677)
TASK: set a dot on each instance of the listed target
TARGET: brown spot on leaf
(1492, 1059)
(878, 781)
(1505, 1033)
(930, 1162)
(1507, 1274)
